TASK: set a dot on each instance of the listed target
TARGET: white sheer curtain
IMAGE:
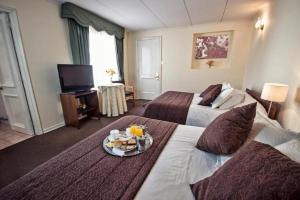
(102, 56)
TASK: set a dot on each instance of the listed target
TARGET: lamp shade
(275, 92)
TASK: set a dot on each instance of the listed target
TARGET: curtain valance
(86, 18)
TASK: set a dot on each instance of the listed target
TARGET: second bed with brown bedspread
(171, 106)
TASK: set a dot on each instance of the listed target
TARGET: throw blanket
(86, 171)
(171, 106)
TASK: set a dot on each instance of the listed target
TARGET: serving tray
(134, 152)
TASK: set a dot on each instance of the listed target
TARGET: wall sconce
(259, 24)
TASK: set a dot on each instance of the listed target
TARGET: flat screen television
(75, 78)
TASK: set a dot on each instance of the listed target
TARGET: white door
(149, 67)
(11, 87)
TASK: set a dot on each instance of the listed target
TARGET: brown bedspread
(171, 106)
(86, 171)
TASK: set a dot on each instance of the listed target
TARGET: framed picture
(211, 49)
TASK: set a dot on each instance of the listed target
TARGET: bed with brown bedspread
(86, 171)
(171, 106)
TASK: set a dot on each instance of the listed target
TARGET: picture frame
(211, 49)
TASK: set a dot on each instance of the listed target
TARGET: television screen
(75, 78)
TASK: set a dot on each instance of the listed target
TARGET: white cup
(128, 133)
(115, 133)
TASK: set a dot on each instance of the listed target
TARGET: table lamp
(274, 92)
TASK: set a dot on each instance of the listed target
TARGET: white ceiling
(149, 14)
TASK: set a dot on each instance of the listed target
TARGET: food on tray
(127, 145)
(117, 144)
(109, 144)
(130, 147)
(131, 141)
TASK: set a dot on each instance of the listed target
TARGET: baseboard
(55, 126)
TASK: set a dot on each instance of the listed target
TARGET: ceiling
(149, 14)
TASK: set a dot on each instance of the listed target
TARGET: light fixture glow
(259, 24)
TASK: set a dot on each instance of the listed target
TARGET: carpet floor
(19, 159)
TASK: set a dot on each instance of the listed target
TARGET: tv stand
(78, 92)
(82, 91)
(78, 106)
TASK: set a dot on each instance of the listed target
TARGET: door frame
(137, 65)
(23, 68)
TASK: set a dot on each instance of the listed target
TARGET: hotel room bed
(181, 164)
(184, 108)
(86, 171)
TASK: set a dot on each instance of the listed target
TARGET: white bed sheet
(179, 165)
(201, 115)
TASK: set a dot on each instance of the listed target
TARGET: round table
(112, 99)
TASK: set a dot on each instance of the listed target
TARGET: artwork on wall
(211, 49)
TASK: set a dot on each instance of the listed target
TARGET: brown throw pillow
(208, 89)
(211, 95)
(275, 108)
(256, 171)
(228, 132)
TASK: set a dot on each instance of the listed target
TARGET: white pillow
(232, 101)
(226, 86)
(223, 96)
(291, 149)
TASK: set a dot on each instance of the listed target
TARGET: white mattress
(179, 165)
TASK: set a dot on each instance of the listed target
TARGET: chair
(129, 91)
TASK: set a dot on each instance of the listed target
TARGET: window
(102, 56)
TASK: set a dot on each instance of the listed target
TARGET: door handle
(156, 76)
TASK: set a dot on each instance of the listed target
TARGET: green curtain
(79, 39)
(120, 58)
(79, 21)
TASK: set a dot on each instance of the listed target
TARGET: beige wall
(45, 40)
(275, 56)
(177, 52)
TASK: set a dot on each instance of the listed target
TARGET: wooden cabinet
(77, 106)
